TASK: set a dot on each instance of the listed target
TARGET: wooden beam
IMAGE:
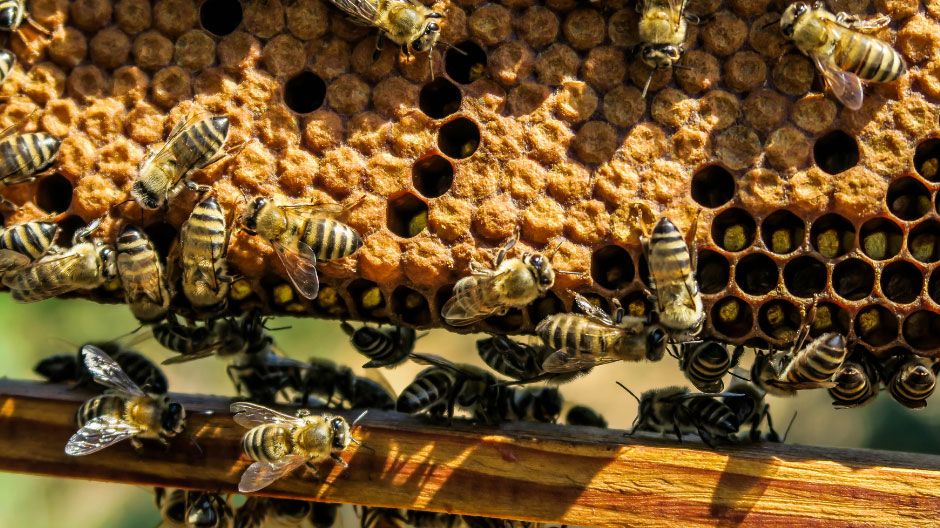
(535, 472)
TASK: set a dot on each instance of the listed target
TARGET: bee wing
(184, 358)
(149, 288)
(377, 376)
(10, 259)
(98, 434)
(24, 280)
(464, 308)
(437, 361)
(562, 361)
(250, 415)
(801, 385)
(301, 268)
(261, 474)
(107, 372)
(363, 10)
(846, 86)
(592, 311)
(676, 10)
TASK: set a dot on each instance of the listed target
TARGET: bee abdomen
(374, 344)
(141, 370)
(712, 415)
(32, 239)
(569, 332)
(819, 360)
(104, 405)
(7, 60)
(913, 384)
(267, 443)
(330, 239)
(199, 143)
(23, 155)
(429, 388)
(869, 58)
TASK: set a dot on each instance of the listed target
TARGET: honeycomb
(532, 120)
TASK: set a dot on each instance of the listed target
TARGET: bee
(409, 24)
(142, 275)
(300, 235)
(63, 368)
(662, 28)
(195, 142)
(264, 374)
(86, 265)
(278, 443)
(180, 508)
(858, 381)
(581, 342)
(672, 279)
(910, 380)
(528, 404)
(705, 364)
(437, 390)
(749, 404)
(12, 15)
(24, 156)
(490, 522)
(7, 61)
(203, 246)
(802, 367)
(23, 243)
(123, 412)
(339, 386)
(224, 337)
(172, 505)
(676, 410)
(843, 54)
(371, 517)
(585, 416)
(511, 358)
(513, 283)
(385, 347)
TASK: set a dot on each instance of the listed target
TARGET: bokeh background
(36, 330)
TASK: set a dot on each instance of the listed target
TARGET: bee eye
(432, 27)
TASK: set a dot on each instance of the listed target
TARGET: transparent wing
(801, 385)
(261, 474)
(10, 259)
(592, 311)
(301, 212)
(185, 358)
(363, 10)
(98, 434)
(846, 86)
(148, 288)
(301, 267)
(26, 280)
(107, 372)
(676, 10)
(562, 361)
(377, 376)
(250, 415)
(464, 307)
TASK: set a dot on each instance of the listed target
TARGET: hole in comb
(433, 175)
(459, 138)
(829, 318)
(411, 306)
(732, 317)
(511, 321)
(612, 267)
(908, 199)
(921, 330)
(439, 98)
(836, 152)
(804, 276)
(712, 186)
(162, 235)
(923, 240)
(466, 67)
(368, 298)
(933, 285)
(541, 308)
(901, 282)
(636, 304)
(220, 17)
(782, 232)
(407, 215)
(54, 193)
(67, 228)
(853, 279)
(713, 271)
(756, 274)
(304, 92)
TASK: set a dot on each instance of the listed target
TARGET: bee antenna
(772, 22)
(624, 387)
(551, 254)
(360, 417)
(649, 80)
(448, 45)
(192, 440)
(362, 445)
(740, 377)
(787, 432)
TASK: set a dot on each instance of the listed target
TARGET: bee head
(250, 220)
(791, 16)
(176, 509)
(429, 35)
(541, 269)
(341, 436)
(548, 404)
(660, 56)
(173, 418)
(202, 513)
(655, 344)
(8, 18)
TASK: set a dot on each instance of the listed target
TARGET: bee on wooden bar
(662, 29)
(409, 24)
(89, 263)
(24, 156)
(910, 380)
(338, 386)
(585, 416)
(802, 367)
(705, 364)
(203, 246)
(676, 410)
(672, 279)
(301, 235)
(858, 381)
(527, 404)
(142, 276)
(125, 412)
(844, 55)
(194, 143)
(278, 443)
(7, 61)
(749, 404)
(437, 390)
(70, 368)
(192, 509)
(23, 243)
(385, 346)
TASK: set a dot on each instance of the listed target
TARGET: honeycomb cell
(756, 274)
(490, 24)
(881, 238)
(538, 26)
(829, 317)
(836, 152)
(832, 235)
(466, 65)
(459, 138)
(745, 71)
(804, 276)
(411, 306)
(923, 241)
(876, 325)
(133, 16)
(511, 322)
(908, 198)
(163, 236)
(595, 142)
(901, 282)
(612, 267)
(439, 98)
(511, 63)
(547, 305)
(637, 304)
(432, 176)
(712, 272)
(54, 194)
(779, 319)
(921, 330)
(933, 286)
(782, 232)
(927, 159)
(304, 92)
(556, 64)
(853, 279)
(712, 186)
(69, 225)
(732, 317)
(407, 215)
(734, 229)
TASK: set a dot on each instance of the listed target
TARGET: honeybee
(86, 265)
(300, 235)
(581, 342)
(24, 156)
(408, 24)
(513, 283)
(279, 443)
(123, 412)
(749, 404)
(190, 509)
(264, 374)
(194, 143)
(802, 367)
(672, 279)
(858, 381)
(676, 410)
(371, 517)
(662, 30)
(520, 361)
(23, 243)
(910, 380)
(585, 416)
(385, 347)
(527, 404)
(142, 276)
(172, 506)
(12, 15)
(7, 61)
(203, 246)
(226, 337)
(62, 368)
(843, 54)
(437, 390)
(340, 387)
(705, 364)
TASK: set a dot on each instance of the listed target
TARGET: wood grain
(536, 472)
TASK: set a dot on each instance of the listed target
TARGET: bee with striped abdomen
(123, 412)
(437, 390)
(338, 386)
(750, 406)
(910, 380)
(676, 410)
(662, 30)
(672, 278)
(203, 245)
(23, 243)
(301, 235)
(89, 263)
(70, 368)
(192, 509)
(262, 375)
(585, 416)
(527, 404)
(24, 156)
(141, 272)
(284, 513)
(278, 443)
(520, 361)
(705, 363)
(190, 341)
(194, 143)
(7, 61)
(385, 347)
(802, 367)
(844, 55)
(858, 382)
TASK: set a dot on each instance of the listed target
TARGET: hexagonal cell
(734, 229)
(881, 238)
(876, 325)
(927, 159)
(439, 98)
(853, 279)
(908, 198)
(921, 330)
(933, 285)
(368, 298)
(713, 271)
(644, 269)
(637, 304)
(612, 267)
(901, 282)
(732, 317)
(804, 276)
(330, 302)
(756, 274)
(465, 62)
(511, 322)
(220, 17)
(459, 138)
(406, 215)
(923, 240)
(67, 228)
(779, 319)
(832, 235)
(829, 317)
(549, 304)
(411, 306)
(712, 186)
(54, 193)
(836, 152)
(304, 92)
(163, 236)
(782, 232)
(432, 175)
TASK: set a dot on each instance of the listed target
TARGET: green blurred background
(37, 330)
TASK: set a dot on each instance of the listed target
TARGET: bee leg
(503, 251)
(196, 187)
(138, 445)
(339, 460)
(378, 46)
(310, 468)
(862, 24)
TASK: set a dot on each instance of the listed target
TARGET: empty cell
(756, 274)
(712, 186)
(220, 17)
(459, 138)
(304, 92)
(881, 238)
(406, 215)
(713, 271)
(734, 229)
(548, 304)
(804, 276)
(411, 306)
(927, 159)
(783, 232)
(923, 240)
(432, 175)
(829, 317)
(162, 235)
(836, 152)
(921, 330)
(612, 267)
(67, 228)
(779, 319)
(439, 98)
(368, 298)
(54, 193)
(876, 325)
(832, 235)
(732, 317)
(853, 279)
(901, 282)
(465, 62)
(908, 199)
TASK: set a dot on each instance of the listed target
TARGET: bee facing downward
(203, 246)
(662, 30)
(843, 54)
(142, 276)
(407, 23)
(672, 279)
